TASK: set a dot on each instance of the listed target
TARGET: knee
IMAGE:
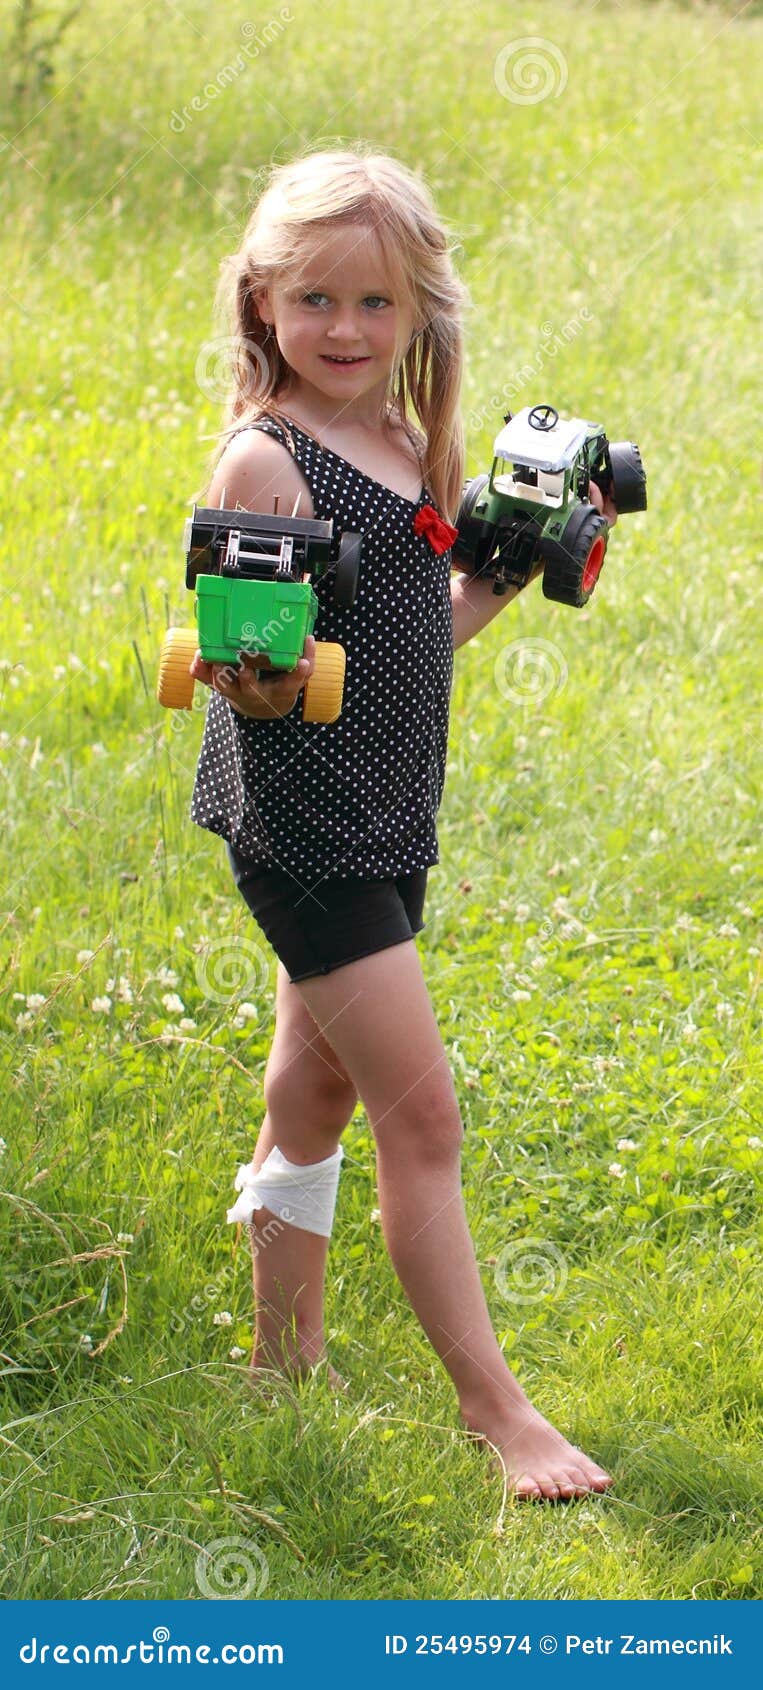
(425, 1125)
(315, 1093)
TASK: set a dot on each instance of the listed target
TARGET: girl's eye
(309, 298)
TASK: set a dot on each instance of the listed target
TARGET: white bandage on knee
(302, 1196)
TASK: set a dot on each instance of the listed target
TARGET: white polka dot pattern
(359, 796)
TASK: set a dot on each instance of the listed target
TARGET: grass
(593, 928)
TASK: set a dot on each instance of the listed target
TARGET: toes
(579, 1481)
(569, 1485)
(527, 1489)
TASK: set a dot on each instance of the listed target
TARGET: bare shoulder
(254, 468)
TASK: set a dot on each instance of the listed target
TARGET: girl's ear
(262, 305)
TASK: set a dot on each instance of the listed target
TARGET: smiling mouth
(349, 362)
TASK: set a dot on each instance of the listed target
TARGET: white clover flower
(249, 1011)
(224, 1318)
(626, 1144)
(24, 1020)
(85, 956)
(521, 997)
(86, 1343)
(522, 912)
(124, 990)
(173, 1004)
(736, 868)
(616, 1170)
(683, 922)
(689, 1032)
(236, 1353)
(125, 1238)
(179, 932)
(166, 976)
(724, 1011)
(36, 1000)
(375, 1215)
(728, 931)
(101, 1006)
(753, 1143)
(187, 1025)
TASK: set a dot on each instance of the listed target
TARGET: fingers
(257, 688)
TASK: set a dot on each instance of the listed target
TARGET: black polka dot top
(358, 796)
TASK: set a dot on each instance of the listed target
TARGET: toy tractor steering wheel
(543, 417)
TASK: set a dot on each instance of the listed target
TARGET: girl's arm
(475, 604)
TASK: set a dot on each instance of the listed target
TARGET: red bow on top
(438, 532)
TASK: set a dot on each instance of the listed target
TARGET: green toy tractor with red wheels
(534, 505)
(251, 573)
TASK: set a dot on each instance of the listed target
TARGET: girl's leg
(310, 1100)
(381, 1024)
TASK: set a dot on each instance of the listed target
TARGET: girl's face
(340, 306)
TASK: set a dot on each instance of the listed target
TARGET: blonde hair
(323, 190)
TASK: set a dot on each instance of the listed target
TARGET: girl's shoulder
(256, 464)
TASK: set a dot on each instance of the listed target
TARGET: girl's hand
(265, 698)
(603, 503)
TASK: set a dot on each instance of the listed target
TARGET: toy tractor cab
(251, 573)
(534, 505)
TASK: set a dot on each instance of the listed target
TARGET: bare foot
(261, 1371)
(538, 1461)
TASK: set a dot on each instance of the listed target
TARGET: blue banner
(486, 1643)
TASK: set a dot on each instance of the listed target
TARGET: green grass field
(593, 944)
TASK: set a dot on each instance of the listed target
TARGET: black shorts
(313, 932)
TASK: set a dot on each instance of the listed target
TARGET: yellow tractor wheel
(175, 686)
(322, 694)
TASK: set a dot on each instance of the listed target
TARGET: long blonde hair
(322, 190)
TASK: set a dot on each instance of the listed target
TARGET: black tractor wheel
(347, 570)
(628, 477)
(472, 530)
(573, 564)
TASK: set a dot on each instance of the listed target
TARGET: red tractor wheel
(573, 564)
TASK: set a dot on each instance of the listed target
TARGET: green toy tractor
(534, 504)
(251, 574)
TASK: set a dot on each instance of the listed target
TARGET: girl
(348, 317)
